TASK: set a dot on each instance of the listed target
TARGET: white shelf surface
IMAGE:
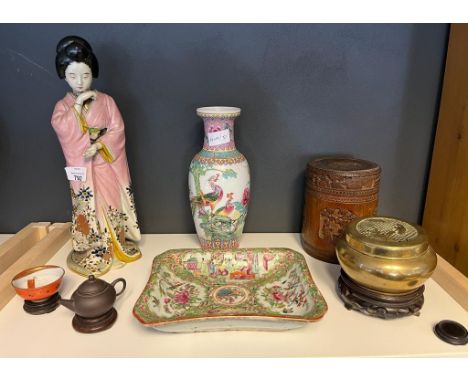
(339, 333)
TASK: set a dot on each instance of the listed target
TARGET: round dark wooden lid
(451, 332)
(343, 165)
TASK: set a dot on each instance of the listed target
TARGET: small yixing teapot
(93, 303)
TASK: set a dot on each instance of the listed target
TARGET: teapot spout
(70, 304)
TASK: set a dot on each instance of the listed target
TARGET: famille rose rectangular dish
(191, 290)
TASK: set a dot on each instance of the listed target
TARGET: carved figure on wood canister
(90, 130)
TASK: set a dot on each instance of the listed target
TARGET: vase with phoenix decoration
(219, 182)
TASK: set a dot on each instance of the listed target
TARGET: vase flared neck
(219, 134)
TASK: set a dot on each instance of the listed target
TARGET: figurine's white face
(79, 76)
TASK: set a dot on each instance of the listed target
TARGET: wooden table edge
(452, 281)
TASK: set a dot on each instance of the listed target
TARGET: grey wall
(305, 90)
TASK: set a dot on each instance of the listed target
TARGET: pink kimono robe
(104, 201)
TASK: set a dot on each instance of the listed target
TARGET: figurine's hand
(85, 96)
(92, 150)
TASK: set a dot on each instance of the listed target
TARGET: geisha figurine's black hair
(75, 49)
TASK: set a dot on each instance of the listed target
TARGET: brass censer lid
(386, 237)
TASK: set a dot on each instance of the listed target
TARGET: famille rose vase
(219, 182)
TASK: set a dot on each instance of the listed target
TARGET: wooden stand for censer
(379, 304)
(385, 262)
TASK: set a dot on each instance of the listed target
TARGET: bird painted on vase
(228, 209)
(212, 198)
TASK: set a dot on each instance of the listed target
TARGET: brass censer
(385, 262)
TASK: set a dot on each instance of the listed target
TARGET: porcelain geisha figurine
(91, 132)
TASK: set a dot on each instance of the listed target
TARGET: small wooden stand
(96, 324)
(42, 306)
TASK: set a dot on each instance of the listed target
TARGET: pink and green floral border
(275, 283)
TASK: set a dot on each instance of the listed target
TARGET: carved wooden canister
(338, 190)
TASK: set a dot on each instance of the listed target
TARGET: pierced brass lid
(386, 237)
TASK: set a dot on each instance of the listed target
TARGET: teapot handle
(123, 287)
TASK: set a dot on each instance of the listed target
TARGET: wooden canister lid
(343, 166)
(344, 178)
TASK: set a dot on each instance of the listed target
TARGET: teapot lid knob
(92, 286)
